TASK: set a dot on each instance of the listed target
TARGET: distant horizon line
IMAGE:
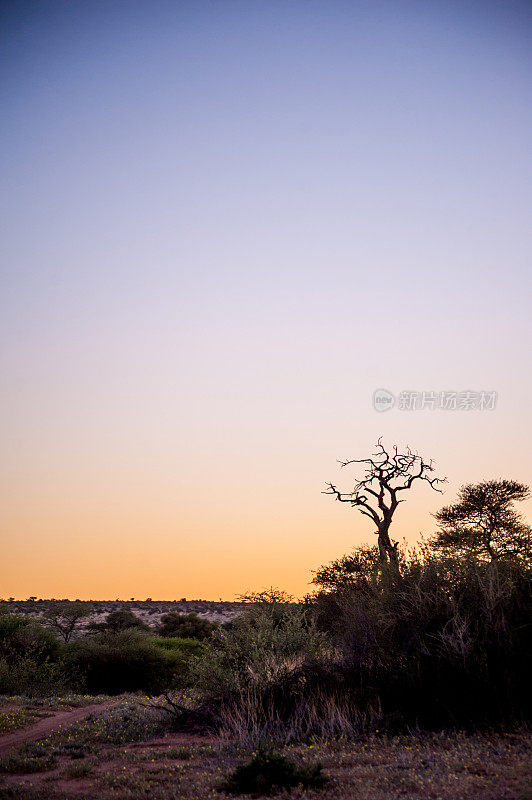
(116, 600)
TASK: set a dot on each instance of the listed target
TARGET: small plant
(24, 765)
(71, 749)
(126, 722)
(269, 772)
(179, 753)
(13, 720)
(79, 770)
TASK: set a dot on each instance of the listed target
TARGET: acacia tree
(378, 493)
(122, 619)
(66, 617)
(484, 521)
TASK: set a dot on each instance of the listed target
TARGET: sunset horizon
(226, 228)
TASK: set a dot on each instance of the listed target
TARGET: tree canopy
(485, 523)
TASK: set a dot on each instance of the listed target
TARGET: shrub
(186, 626)
(120, 620)
(29, 657)
(127, 721)
(128, 661)
(184, 647)
(255, 676)
(22, 637)
(182, 654)
(24, 765)
(30, 677)
(264, 644)
(269, 772)
(445, 644)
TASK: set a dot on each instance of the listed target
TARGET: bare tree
(378, 493)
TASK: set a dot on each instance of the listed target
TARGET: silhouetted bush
(269, 772)
(445, 643)
(448, 643)
(186, 626)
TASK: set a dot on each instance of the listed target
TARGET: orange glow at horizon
(223, 228)
(266, 525)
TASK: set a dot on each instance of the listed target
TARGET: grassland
(128, 751)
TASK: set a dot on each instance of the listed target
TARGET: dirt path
(46, 726)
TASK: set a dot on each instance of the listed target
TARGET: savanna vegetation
(397, 650)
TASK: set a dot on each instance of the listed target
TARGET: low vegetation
(186, 626)
(120, 620)
(268, 772)
(87, 762)
(129, 661)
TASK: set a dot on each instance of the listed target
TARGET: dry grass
(322, 715)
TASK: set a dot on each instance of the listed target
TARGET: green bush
(120, 620)
(22, 637)
(29, 657)
(267, 642)
(269, 772)
(254, 676)
(182, 654)
(182, 649)
(186, 626)
(31, 678)
(128, 661)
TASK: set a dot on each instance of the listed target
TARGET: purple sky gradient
(223, 226)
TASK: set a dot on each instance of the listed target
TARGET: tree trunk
(387, 550)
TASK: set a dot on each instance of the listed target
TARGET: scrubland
(380, 684)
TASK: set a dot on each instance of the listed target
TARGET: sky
(224, 225)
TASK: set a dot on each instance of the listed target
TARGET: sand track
(44, 727)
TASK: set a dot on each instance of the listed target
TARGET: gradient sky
(224, 225)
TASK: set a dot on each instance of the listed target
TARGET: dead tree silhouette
(378, 493)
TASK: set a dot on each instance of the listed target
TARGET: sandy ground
(45, 727)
